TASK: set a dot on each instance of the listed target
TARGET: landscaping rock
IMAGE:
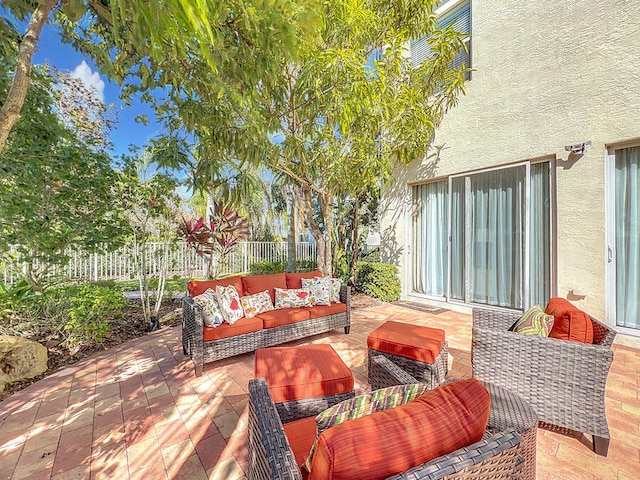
(20, 358)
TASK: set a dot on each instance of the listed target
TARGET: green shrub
(379, 280)
(267, 268)
(80, 313)
(306, 265)
(12, 296)
(91, 310)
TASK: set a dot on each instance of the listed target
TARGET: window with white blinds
(460, 18)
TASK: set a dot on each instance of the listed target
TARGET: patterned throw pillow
(292, 297)
(362, 405)
(320, 288)
(534, 322)
(209, 303)
(229, 302)
(257, 303)
(336, 284)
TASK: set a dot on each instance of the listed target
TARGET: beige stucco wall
(548, 74)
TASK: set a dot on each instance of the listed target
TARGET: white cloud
(89, 78)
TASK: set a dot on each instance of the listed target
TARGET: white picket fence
(183, 261)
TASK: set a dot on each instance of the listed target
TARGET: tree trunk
(208, 218)
(10, 112)
(291, 236)
(315, 230)
(355, 241)
(325, 203)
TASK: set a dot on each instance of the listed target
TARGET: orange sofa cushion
(226, 330)
(324, 310)
(301, 435)
(294, 280)
(198, 287)
(259, 283)
(306, 371)
(406, 340)
(283, 316)
(392, 441)
(569, 322)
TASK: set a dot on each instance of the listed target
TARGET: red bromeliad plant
(217, 239)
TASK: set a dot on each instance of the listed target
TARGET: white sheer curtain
(457, 238)
(429, 269)
(540, 235)
(496, 247)
(627, 217)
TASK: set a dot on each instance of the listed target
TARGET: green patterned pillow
(362, 405)
(534, 322)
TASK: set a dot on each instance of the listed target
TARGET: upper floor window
(458, 14)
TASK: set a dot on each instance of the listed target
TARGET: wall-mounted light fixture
(578, 148)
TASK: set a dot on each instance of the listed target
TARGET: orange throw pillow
(392, 441)
(569, 322)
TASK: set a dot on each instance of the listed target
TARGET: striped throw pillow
(534, 322)
(362, 405)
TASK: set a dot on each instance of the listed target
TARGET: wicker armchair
(271, 457)
(563, 381)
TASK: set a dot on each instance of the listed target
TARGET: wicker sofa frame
(270, 455)
(563, 381)
(202, 352)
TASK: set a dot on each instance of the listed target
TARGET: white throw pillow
(209, 303)
(320, 288)
(255, 304)
(229, 302)
(336, 284)
(292, 297)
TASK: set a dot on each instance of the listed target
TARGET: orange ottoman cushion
(569, 322)
(307, 371)
(405, 340)
(392, 441)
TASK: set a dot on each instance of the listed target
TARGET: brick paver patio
(138, 411)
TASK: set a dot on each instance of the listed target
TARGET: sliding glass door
(430, 214)
(498, 242)
(627, 236)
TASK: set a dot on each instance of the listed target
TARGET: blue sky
(51, 50)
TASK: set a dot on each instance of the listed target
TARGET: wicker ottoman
(508, 410)
(304, 380)
(420, 351)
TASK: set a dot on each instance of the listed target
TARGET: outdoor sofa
(564, 381)
(207, 344)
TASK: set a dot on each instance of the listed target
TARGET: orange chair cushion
(259, 283)
(307, 371)
(392, 441)
(406, 340)
(198, 287)
(301, 435)
(283, 316)
(226, 330)
(569, 322)
(324, 310)
(294, 280)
